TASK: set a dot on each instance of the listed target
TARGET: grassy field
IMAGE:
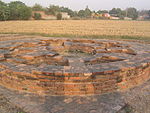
(80, 28)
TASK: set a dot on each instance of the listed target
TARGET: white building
(65, 15)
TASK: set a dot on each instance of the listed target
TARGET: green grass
(147, 39)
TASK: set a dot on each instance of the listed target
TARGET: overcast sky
(93, 4)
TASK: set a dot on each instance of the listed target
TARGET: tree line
(17, 10)
(86, 13)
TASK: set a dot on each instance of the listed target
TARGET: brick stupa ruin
(59, 66)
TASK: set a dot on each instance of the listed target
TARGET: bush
(37, 16)
(59, 16)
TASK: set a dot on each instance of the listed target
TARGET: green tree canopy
(53, 10)
(19, 11)
(88, 12)
(102, 11)
(37, 16)
(118, 13)
(69, 11)
(115, 11)
(59, 16)
(85, 13)
(145, 14)
(132, 13)
(37, 7)
(81, 14)
(4, 11)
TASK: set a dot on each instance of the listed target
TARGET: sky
(92, 4)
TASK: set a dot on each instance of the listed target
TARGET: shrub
(59, 16)
(37, 16)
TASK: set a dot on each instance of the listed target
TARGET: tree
(81, 13)
(145, 14)
(19, 11)
(69, 11)
(37, 16)
(114, 11)
(4, 11)
(88, 12)
(102, 11)
(122, 14)
(52, 10)
(37, 7)
(132, 13)
(117, 12)
(59, 16)
(85, 13)
(142, 12)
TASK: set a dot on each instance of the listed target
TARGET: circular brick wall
(57, 66)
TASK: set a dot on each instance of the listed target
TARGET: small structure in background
(114, 18)
(106, 15)
(96, 15)
(100, 16)
(65, 15)
(127, 18)
(143, 17)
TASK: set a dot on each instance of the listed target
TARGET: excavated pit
(59, 66)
